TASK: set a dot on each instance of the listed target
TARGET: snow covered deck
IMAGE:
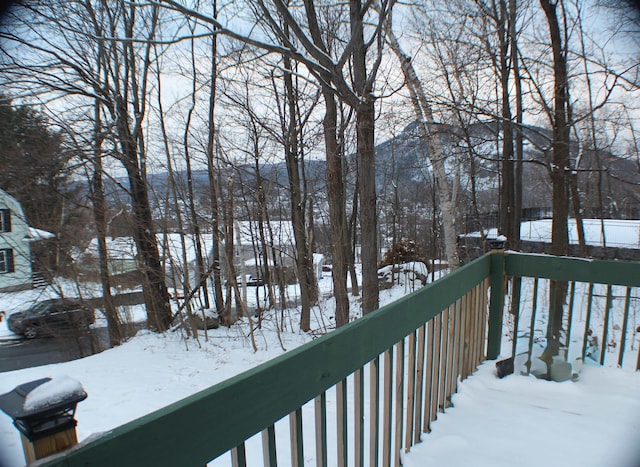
(525, 421)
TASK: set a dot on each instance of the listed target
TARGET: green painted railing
(438, 331)
(370, 388)
(601, 305)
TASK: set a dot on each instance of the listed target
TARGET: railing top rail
(625, 273)
(215, 420)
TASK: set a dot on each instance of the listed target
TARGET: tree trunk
(211, 173)
(435, 152)
(365, 121)
(304, 264)
(351, 240)
(365, 125)
(154, 287)
(193, 215)
(114, 325)
(519, 142)
(335, 181)
(507, 187)
(225, 317)
(559, 175)
(263, 220)
(337, 214)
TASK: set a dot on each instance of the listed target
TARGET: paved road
(25, 353)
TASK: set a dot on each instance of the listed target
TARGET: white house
(248, 255)
(15, 245)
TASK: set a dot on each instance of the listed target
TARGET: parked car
(253, 281)
(50, 317)
(250, 281)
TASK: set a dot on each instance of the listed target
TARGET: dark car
(51, 317)
(250, 281)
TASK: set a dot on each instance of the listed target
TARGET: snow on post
(53, 392)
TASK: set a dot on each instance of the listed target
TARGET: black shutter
(6, 220)
(10, 267)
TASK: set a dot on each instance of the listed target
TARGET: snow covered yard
(153, 370)
(143, 375)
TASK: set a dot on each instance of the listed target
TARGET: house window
(6, 261)
(5, 220)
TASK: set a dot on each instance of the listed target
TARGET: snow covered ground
(517, 420)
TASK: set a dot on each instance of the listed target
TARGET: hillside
(608, 184)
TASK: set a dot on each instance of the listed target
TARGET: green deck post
(496, 304)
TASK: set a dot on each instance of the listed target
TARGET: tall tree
(53, 46)
(304, 262)
(97, 194)
(560, 168)
(211, 173)
(335, 178)
(35, 163)
(363, 80)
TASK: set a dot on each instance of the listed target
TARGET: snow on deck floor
(515, 421)
(524, 421)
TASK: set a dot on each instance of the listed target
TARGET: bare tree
(211, 172)
(53, 50)
(304, 262)
(435, 153)
(560, 167)
(333, 76)
(97, 194)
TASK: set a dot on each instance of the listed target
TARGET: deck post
(496, 304)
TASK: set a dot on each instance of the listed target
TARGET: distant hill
(402, 162)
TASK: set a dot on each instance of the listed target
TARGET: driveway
(17, 353)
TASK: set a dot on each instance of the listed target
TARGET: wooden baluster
(341, 422)
(605, 327)
(295, 436)
(320, 403)
(399, 398)
(436, 365)
(387, 407)
(444, 355)
(411, 382)
(374, 410)
(269, 455)
(418, 406)
(625, 323)
(587, 320)
(238, 456)
(428, 378)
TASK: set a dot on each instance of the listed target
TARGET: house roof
(123, 248)
(35, 235)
